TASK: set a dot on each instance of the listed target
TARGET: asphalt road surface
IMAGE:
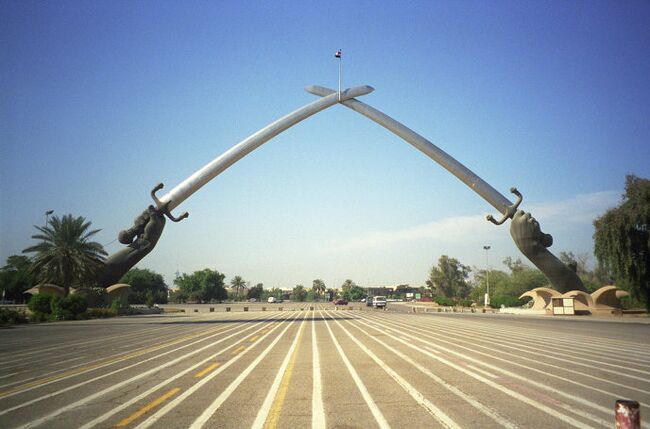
(322, 368)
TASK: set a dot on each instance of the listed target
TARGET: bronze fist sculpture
(533, 243)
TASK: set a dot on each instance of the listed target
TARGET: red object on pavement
(627, 414)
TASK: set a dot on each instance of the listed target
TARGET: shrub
(443, 300)
(121, 308)
(95, 296)
(506, 301)
(39, 317)
(150, 299)
(69, 307)
(100, 313)
(11, 317)
(40, 303)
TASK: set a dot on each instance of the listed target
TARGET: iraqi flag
(338, 54)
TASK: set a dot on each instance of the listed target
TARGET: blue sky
(103, 100)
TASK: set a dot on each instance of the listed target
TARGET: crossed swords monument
(524, 229)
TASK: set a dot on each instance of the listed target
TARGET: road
(322, 368)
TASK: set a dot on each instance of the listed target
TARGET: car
(340, 302)
(369, 301)
(379, 302)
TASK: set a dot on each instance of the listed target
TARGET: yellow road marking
(252, 340)
(274, 414)
(238, 350)
(151, 405)
(206, 370)
(99, 364)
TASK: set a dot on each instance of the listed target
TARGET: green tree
(524, 280)
(346, 287)
(351, 291)
(355, 293)
(449, 278)
(299, 293)
(622, 240)
(64, 254)
(15, 278)
(318, 287)
(514, 265)
(146, 285)
(256, 291)
(238, 284)
(591, 279)
(204, 285)
(569, 259)
(275, 293)
(499, 284)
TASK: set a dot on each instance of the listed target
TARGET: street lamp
(487, 275)
(47, 216)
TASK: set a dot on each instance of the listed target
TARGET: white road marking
(503, 422)
(116, 386)
(317, 407)
(108, 362)
(552, 412)
(10, 375)
(547, 374)
(374, 409)
(154, 418)
(214, 406)
(588, 342)
(434, 411)
(23, 355)
(263, 412)
(574, 356)
(485, 373)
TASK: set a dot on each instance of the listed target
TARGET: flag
(338, 54)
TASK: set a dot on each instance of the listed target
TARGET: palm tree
(238, 284)
(318, 286)
(65, 255)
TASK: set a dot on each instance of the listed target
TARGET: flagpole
(340, 56)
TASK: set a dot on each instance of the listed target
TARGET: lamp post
(487, 275)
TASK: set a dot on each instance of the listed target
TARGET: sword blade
(464, 174)
(217, 166)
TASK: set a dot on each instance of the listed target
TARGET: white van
(379, 301)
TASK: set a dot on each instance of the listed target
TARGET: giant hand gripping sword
(524, 229)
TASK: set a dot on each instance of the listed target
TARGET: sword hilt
(510, 210)
(164, 207)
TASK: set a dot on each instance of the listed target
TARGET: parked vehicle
(340, 302)
(379, 302)
(369, 301)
